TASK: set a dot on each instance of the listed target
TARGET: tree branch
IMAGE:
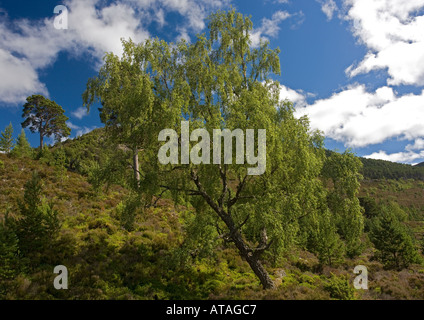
(258, 251)
(190, 192)
(243, 223)
(224, 186)
(237, 197)
(205, 196)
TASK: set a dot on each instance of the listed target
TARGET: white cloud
(25, 47)
(160, 17)
(393, 32)
(17, 79)
(84, 130)
(269, 27)
(80, 113)
(72, 126)
(79, 131)
(418, 145)
(298, 97)
(101, 29)
(29, 46)
(403, 157)
(359, 118)
(193, 11)
(37, 41)
(94, 27)
(329, 7)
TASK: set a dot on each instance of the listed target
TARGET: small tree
(22, 147)
(6, 139)
(9, 249)
(342, 173)
(395, 246)
(126, 93)
(371, 208)
(46, 117)
(324, 240)
(39, 223)
(422, 245)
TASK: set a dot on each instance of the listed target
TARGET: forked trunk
(252, 256)
(253, 261)
(261, 273)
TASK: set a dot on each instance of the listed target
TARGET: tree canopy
(6, 139)
(22, 147)
(221, 82)
(45, 117)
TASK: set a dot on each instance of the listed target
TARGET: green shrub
(127, 211)
(9, 250)
(39, 224)
(22, 147)
(340, 288)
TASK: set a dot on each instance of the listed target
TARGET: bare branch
(243, 223)
(258, 251)
(188, 191)
(240, 187)
(205, 196)
(156, 200)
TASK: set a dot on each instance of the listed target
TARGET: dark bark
(253, 260)
(41, 140)
(41, 131)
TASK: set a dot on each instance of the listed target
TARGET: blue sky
(355, 67)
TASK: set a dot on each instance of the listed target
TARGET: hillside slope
(157, 259)
(381, 169)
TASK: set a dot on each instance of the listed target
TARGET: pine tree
(6, 139)
(9, 250)
(45, 117)
(395, 246)
(39, 224)
(22, 147)
(422, 245)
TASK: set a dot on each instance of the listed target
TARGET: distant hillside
(380, 169)
(93, 146)
(165, 255)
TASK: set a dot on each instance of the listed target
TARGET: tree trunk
(41, 131)
(252, 256)
(136, 165)
(41, 141)
(260, 272)
(253, 260)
